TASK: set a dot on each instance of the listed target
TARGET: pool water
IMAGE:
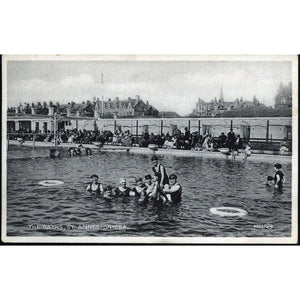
(68, 210)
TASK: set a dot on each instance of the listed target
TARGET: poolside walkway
(257, 155)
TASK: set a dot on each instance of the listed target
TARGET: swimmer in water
(148, 181)
(152, 187)
(174, 192)
(279, 177)
(143, 195)
(108, 194)
(247, 150)
(122, 190)
(136, 191)
(270, 181)
(95, 187)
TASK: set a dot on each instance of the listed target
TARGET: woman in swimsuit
(122, 190)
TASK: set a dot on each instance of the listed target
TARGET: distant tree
(73, 103)
(32, 104)
(50, 103)
(44, 104)
(57, 104)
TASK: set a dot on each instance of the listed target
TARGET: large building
(283, 98)
(132, 107)
(217, 106)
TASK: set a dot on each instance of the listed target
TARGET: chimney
(68, 112)
(147, 103)
(51, 111)
(77, 113)
(33, 111)
(17, 110)
(137, 97)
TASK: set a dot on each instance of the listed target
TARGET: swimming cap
(148, 177)
(122, 180)
(154, 158)
(94, 176)
(173, 176)
(278, 166)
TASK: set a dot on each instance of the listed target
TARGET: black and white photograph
(180, 149)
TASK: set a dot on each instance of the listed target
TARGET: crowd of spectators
(179, 140)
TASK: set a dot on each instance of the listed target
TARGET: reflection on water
(67, 210)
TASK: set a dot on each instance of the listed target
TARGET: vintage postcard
(149, 149)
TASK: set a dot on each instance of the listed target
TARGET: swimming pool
(68, 210)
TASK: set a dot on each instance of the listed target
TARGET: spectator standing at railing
(231, 139)
(222, 140)
(186, 134)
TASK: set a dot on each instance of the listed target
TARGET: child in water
(151, 185)
(143, 195)
(247, 151)
(108, 193)
(270, 181)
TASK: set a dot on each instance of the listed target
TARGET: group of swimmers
(159, 187)
(278, 179)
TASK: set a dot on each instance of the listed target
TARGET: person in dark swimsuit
(160, 171)
(140, 186)
(122, 190)
(279, 177)
(95, 186)
(270, 181)
(174, 192)
(108, 195)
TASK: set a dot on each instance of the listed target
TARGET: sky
(167, 85)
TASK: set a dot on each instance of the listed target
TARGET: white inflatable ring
(51, 182)
(226, 211)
